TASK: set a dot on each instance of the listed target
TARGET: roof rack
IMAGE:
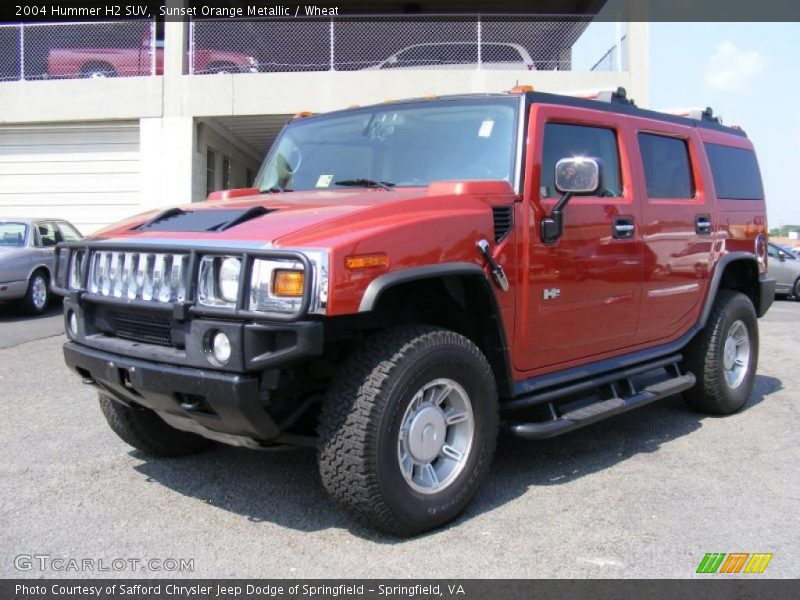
(612, 96)
(698, 114)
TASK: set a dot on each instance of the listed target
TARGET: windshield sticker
(324, 181)
(486, 129)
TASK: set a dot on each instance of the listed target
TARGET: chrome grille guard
(163, 278)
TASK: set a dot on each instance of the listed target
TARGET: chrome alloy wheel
(436, 436)
(39, 292)
(736, 354)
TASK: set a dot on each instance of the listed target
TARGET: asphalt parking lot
(644, 495)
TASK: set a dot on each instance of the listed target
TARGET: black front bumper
(199, 400)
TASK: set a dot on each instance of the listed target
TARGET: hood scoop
(196, 221)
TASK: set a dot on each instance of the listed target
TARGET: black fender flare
(716, 279)
(382, 283)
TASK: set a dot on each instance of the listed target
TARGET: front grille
(154, 277)
(150, 330)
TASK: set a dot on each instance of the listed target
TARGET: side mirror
(781, 255)
(576, 176)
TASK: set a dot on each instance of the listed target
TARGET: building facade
(99, 121)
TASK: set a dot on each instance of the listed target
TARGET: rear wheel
(38, 295)
(97, 70)
(145, 430)
(796, 290)
(408, 429)
(724, 356)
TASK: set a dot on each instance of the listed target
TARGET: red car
(408, 279)
(129, 62)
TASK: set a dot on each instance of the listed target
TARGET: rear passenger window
(735, 172)
(567, 141)
(667, 170)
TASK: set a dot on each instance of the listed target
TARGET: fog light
(221, 347)
(73, 324)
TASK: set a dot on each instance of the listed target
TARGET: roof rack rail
(613, 96)
(698, 114)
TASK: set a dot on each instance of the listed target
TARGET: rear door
(677, 228)
(581, 294)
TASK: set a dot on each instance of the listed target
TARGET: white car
(459, 55)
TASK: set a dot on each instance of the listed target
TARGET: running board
(603, 409)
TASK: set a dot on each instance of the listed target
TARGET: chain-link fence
(132, 48)
(74, 50)
(373, 42)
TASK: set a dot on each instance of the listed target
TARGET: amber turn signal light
(288, 283)
(366, 261)
(520, 89)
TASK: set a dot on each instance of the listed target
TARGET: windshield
(13, 234)
(396, 146)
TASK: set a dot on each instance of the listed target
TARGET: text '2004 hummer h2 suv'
(409, 278)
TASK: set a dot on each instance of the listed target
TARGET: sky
(749, 73)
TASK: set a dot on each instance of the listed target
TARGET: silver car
(27, 253)
(785, 268)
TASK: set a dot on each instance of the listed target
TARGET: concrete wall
(176, 111)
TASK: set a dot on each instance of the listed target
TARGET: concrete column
(166, 148)
(638, 39)
(176, 45)
(167, 143)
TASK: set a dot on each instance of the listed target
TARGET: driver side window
(48, 235)
(566, 141)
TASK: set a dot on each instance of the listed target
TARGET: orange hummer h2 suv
(406, 280)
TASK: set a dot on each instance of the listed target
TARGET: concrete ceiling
(257, 131)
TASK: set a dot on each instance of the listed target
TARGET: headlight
(218, 281)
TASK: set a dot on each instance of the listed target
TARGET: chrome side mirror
(576, 176)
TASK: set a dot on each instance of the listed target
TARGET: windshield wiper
(384, 185)
(275, 190)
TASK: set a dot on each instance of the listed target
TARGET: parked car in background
(132, 61)
(459, 55)
(27, 254)
(784, 265)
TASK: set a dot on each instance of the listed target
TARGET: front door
(582, 293)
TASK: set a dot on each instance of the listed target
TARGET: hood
(310, 219)
(263, 218)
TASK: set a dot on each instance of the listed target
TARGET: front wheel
(38, 295)
(724, 356)
(408, 429)
(145, 430)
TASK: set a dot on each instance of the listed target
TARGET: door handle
(623, 228)
(702, 224)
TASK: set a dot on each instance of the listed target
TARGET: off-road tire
(361, 418)
(145, 430)
(704, 357)
(28, 302)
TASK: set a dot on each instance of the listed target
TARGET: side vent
(503, 221)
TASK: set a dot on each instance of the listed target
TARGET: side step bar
(598, 411)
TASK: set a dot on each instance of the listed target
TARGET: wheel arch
(737, 271)
(456, 296)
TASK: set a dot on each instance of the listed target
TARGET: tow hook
(497, 271)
